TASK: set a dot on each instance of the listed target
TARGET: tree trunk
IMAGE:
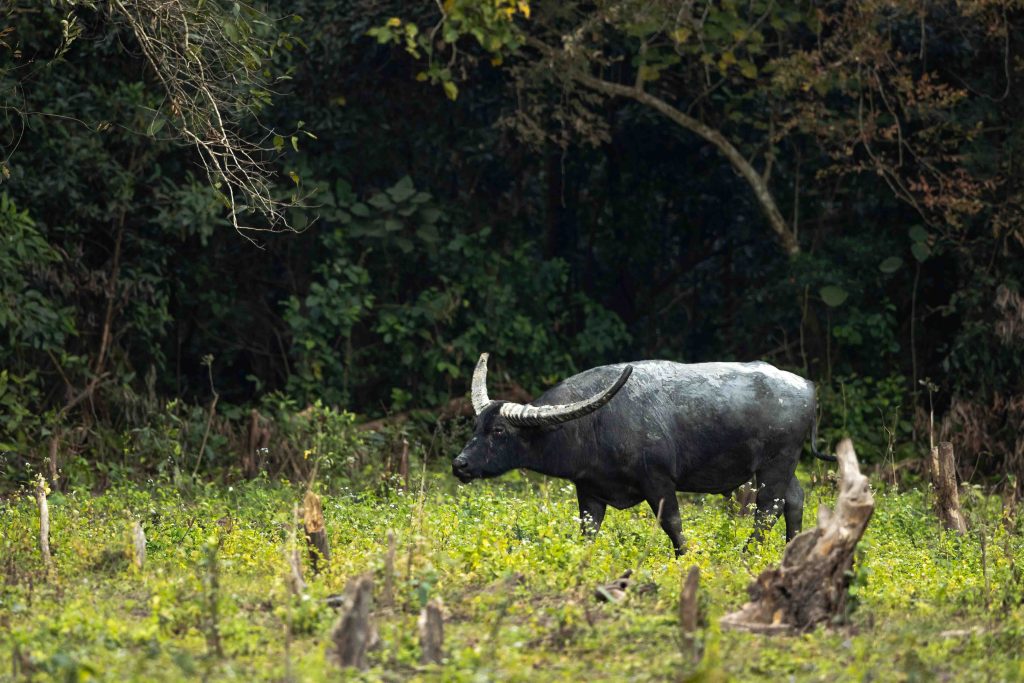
(942, 468)
(810, 586)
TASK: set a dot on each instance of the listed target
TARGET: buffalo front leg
(666, 508)
(591, 513)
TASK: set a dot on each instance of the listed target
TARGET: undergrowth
(516, 579)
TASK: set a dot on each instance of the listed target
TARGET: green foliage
(515, 577)
(432, 295)
(35, 324)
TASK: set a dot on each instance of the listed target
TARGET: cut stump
(810, 586)
(316, 532)
(942, 469)
(354, 634)
(431, 627)
(138, 545)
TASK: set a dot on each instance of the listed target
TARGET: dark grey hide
(702, 428)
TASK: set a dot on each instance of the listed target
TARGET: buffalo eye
(498, 431)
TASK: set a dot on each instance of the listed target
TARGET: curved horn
(540, 416)
(479, 390)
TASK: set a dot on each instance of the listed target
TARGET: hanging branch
(211, 66)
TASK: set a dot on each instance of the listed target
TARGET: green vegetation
(514, 575)
(248, 245)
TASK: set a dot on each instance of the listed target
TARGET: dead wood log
(810, 586)
(44, 525)
(354, 634)
(942, 469)
(316, 532)
(431, 627)
(138, 545)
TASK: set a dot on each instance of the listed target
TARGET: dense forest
(831, 189)
(269, 241)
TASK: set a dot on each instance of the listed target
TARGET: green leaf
(921, 251)
(155, 125)
(428, 233)
(833, 295)
(451, 90)
(918, 234)
(402, 190)
(891, 264)
(360, 209)
(381, 201)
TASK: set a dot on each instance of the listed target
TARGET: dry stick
(209, 417)
(54, 448)
(431, 628)
(419, 520)
(388, 600)
(44, 525)
(403, 464)
(296, 584)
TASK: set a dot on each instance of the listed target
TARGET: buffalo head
(504, 430)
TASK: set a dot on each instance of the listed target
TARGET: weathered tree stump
(431, 627)
(689, 609)
(138, 545)
(316, 533)
(689, 612)
(810, 586)
(942, 469)
(354, 634)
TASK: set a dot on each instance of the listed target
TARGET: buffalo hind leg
(794, 509)
(666, 508)
(591, 513)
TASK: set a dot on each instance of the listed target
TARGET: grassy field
(516, 580)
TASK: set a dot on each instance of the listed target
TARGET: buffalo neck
(552, 453)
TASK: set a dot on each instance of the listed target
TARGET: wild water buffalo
(640, 432)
